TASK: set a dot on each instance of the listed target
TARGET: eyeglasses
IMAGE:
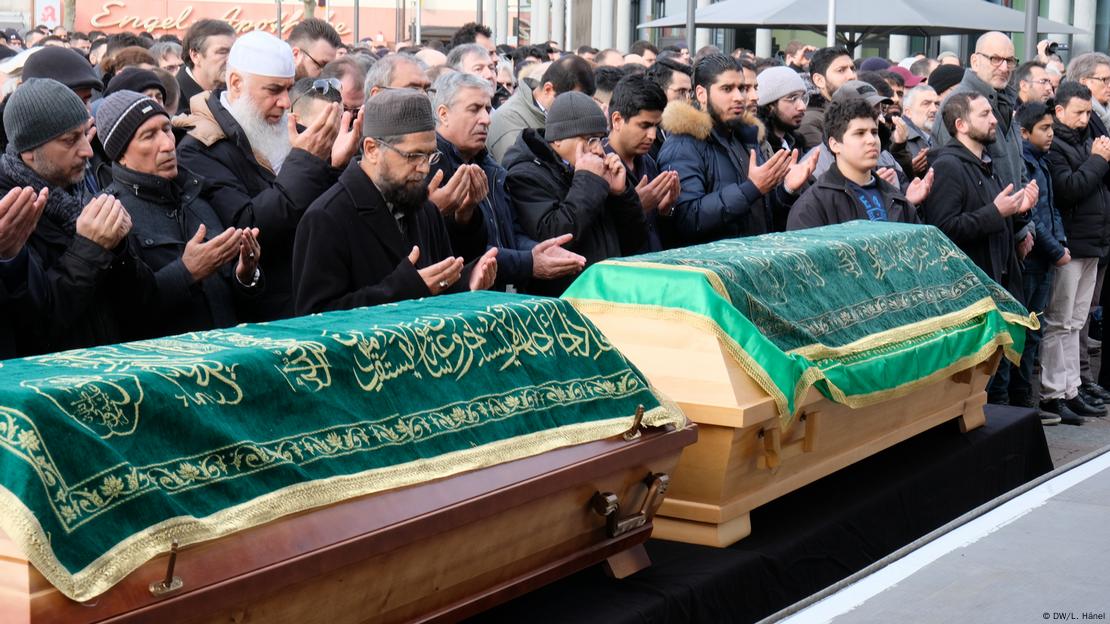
(995, 60)
(1044, 82)
(1103, 79)
(593, 142)
(319, 65)
(323, 86)
(794, 98)
(414, 158)
(508, 85)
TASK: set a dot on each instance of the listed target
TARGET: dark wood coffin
(438, 551)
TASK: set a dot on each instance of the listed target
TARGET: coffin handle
(170, 583)
(608, 505)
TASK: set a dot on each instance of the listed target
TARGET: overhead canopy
(898, 17)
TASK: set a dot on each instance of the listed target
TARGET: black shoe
(1022, 399)
(1090, 399)
(1096, 390)
(1079, 406)
(1057, 407)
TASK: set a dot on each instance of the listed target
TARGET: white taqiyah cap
(261, 54)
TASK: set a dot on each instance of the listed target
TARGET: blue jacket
(1050, 238)
(717, 199)
(514, 247)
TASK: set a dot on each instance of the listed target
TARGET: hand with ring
(439, 276)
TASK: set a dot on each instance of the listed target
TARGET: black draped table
(811, 538)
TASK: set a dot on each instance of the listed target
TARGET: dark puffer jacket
(1081, 195)
(552, 199)
(717, 200)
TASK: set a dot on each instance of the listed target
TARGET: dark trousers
(1037, 280)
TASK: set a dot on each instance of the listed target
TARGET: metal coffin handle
(608, 505)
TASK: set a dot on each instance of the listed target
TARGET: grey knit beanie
(574, 114)
(396, 112)
(39, 111)
(778, 82)
(119, 117)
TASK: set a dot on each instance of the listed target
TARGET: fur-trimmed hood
(685, 118)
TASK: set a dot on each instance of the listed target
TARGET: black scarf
(63, 206)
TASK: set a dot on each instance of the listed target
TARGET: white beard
(270, 140)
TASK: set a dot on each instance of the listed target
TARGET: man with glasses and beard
(727, 188)
(973, 207)
(314, 43)
(262, 171)
(374, 237)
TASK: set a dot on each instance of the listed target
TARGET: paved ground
(1068, 443)
(1039, 557)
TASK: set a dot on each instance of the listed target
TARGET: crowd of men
(152, 187)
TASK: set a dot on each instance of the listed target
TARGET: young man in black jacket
(850, 189)
(202, 271)
(561, 182)
(973, 208)
(635, 111)
(1078, 165)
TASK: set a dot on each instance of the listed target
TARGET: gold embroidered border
(111, 567)
(74, 505)
(913, 330)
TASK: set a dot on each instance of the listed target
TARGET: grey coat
(516, 114)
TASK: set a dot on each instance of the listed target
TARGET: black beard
(405, 197)
(731, 126)
(985, 139)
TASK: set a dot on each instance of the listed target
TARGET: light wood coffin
(438, 551)
(743, 457)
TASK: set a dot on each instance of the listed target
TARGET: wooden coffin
(438, 551)
(743, 457)
(798, 354)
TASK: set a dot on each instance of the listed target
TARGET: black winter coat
(961, 204)
(551, 199)
(77, 294)
(246, 193)
(1080, 192)
(165, 215)
(350, 253)
(831, 200)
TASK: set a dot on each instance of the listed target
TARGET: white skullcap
(907, 62)
(261, 54)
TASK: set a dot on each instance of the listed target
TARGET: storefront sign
(114, 15)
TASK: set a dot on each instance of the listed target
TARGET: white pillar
(645, 16)
(763, 42)
(606, 24)
(595, 24)
(489, 17)
(704, 35)
(573, 39)
(624, 26)
(501, 22)
(559, 22)
(1084, 18)
(541, 21)
(1060, 11)
(899, 48)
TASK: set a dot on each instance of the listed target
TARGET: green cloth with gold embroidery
(107, 454)
(861, 309)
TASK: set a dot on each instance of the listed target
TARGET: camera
(1053, 46)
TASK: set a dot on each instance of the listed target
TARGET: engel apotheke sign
(172, 16)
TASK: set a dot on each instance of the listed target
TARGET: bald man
(989, 76)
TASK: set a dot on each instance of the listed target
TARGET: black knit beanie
(119, 116)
